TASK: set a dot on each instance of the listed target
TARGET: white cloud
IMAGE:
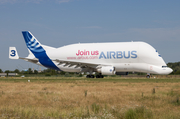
(32, 1)
(155, 34)
(35, 1)
(7, 1)
(62, 1)
(15, 1)
(149, 35)
(92, 27)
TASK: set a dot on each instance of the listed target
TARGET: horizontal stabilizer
(13, 54)
(35, 60)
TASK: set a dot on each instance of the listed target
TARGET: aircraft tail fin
(32, 43)
(13, 54)
(38, 50)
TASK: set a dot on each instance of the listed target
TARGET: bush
(47, 74)
(175, 101)
(95, 108)
(138, 113)
(80, 75)
(67, 74)
(130, 114)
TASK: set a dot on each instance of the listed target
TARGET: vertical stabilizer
(32, 43)
(38, 51)
(31, 55)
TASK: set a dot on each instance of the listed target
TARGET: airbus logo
(118, 54)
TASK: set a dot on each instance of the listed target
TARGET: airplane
(111, 58)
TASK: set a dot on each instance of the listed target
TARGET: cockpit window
(158, 53)
(164, 66)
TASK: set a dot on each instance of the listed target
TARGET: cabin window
(164, 66)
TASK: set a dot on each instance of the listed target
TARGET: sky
(61, 22)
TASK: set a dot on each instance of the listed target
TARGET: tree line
(175, 66)
(30, 71)
(46, 72)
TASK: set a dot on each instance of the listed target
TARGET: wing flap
(69, 63)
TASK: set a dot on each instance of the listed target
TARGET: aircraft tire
(148, 76)
(92, 76)
(97, 76)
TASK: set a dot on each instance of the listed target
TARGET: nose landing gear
(148, 75)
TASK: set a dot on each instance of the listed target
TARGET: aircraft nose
(169, 70)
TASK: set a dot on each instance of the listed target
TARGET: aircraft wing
(70, 63)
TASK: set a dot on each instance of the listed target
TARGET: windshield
(164, 66)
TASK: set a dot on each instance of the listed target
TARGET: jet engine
(107, 70)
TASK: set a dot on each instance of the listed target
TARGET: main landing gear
(90, 76)
(97, 76)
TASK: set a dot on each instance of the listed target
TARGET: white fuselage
(123, 56)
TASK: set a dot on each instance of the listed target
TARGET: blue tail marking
(38, 51)
(32, 43)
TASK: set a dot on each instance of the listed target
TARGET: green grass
(74, 79)
(79, 97)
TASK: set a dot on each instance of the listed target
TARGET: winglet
(13, 54)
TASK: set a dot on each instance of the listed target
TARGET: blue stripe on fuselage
(46, 61)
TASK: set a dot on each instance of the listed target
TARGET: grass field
(81, 98)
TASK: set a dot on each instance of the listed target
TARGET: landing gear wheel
(99, 76)
(87, 76)
(90, 76)
(148, 76)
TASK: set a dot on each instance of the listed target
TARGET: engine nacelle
(122, 73)
(107, 70)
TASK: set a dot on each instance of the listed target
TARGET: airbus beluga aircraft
(105, 58)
